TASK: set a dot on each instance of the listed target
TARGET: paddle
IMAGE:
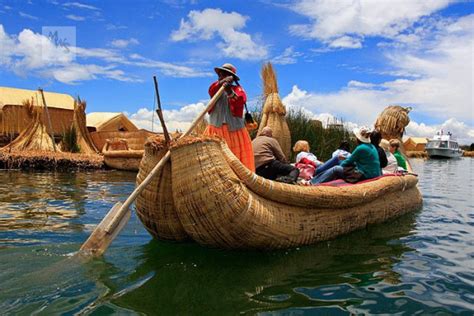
(118, 216)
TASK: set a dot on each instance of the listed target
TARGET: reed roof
(416, 140)
(14, 96)
(109, 121)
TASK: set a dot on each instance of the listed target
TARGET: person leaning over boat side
(226, 117)
(375, 138)
(392, 164)
(394, 146)
(361, 165)
(270, 161)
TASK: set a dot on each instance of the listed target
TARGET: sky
(347, 59)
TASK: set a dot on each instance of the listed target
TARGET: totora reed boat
(205, 194)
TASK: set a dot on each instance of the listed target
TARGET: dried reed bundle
(84, 140)
(34, 137)
(273, 112)
(392, 121)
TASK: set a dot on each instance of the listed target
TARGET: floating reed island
(36, 145)
(47, 160)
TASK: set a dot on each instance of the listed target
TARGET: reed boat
(118, 155)
(205, 194)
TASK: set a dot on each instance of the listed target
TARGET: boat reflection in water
(189, 279)
(443, 146)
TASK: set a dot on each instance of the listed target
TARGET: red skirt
(238, 141)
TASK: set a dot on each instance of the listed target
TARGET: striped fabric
(238, 141)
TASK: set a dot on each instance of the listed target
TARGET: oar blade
(102, 236)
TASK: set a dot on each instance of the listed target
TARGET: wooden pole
(48, 117)
(160, 113)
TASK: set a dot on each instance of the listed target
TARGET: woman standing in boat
(226, 117)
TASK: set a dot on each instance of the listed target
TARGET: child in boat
(306, 161)
(394, 146)
(361, 165)
(392, 164)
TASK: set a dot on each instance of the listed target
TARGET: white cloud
(32, 53)
(440, 85)
(346, 42)
(172, 70)
(210, 23)
(27, 16)
(175, 119)
(289, 56)
(344, 24)
(79, 5)
(75, 17)
(460, 130)
(123, 43)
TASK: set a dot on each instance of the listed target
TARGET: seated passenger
(361, 165)
(340, 154)
(375, 138)
(306, 161)
(270, 162)
(344, 150)
(392, 164)
(394, 146)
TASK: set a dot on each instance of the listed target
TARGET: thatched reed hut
(16, 111)
(109, 122)
(274, 112)
(415, 143)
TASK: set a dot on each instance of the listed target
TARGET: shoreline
(53, 161)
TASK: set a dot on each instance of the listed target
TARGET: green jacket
(400, 159)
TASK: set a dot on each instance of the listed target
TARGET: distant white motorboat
(443, 146)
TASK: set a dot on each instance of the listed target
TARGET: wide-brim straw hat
(228, 68)
(362, 134)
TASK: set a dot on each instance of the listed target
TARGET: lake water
(421, 263)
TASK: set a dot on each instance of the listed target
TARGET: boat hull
(219, 203)
(123, 159)
(443, 153)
